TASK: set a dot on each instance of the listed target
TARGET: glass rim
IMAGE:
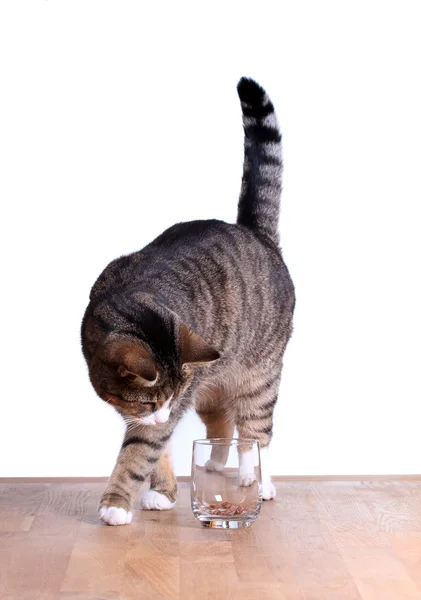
(226, 441)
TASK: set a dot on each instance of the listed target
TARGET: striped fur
(200, 317)
(262, 174)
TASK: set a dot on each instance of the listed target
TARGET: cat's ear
(194, 350)
(134, 361)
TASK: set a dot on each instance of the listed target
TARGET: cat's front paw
(155, 501)
(115, 515)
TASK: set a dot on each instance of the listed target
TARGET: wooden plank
(379, 574)
(407, 547)
(319, 540)
(276, 478)
(97, 561)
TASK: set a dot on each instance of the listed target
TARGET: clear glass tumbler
(226, 482)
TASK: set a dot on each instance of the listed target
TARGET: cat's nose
(162, 415)
(161, 418)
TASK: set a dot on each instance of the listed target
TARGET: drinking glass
(226, 482)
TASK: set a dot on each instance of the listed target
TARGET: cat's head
(125, 373)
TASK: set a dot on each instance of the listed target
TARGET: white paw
(115, 515)
(155, 501)
(247, 479)
(213, 465)
(268, 490)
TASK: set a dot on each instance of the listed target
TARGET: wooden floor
(317, 541)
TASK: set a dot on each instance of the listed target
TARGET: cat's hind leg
(218, 425)
(255, 420)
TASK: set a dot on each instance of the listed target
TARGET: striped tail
(258, 207)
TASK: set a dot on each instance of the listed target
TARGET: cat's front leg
(140, 451)
(163, 491)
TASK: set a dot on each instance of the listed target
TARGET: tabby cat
(200, 317)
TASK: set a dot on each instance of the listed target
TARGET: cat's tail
(259, 203)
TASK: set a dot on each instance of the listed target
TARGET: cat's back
(213, 243)
(202, 259)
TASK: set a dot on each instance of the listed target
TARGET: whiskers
(131, 423)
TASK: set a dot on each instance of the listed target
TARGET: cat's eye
(149, 405)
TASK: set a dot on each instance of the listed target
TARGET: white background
(120, 118)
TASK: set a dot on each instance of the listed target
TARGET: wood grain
(319, 540)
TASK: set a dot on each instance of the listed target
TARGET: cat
(200, 317)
